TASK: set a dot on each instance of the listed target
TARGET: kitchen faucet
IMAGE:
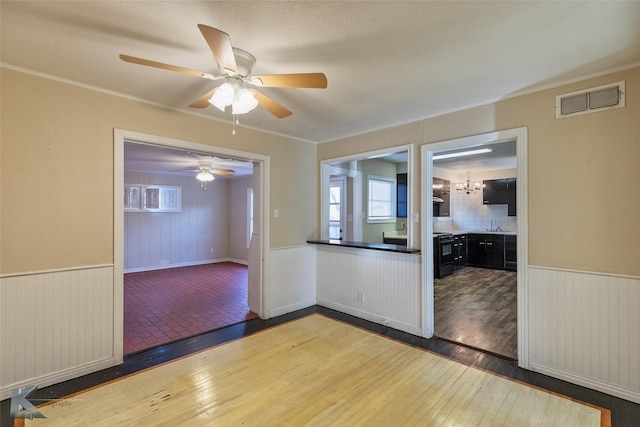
(497, 227)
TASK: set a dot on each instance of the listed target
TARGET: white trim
(428, 149)
(279, 311)
(325, 172)
(594, 273)
(585, 381)
(144, 101)
(182, 264)
(56, 270)
(119, 138)
(363, 314)
(60, 376)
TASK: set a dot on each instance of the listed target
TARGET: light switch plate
(414, 217)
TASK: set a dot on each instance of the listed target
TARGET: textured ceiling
(387, 63)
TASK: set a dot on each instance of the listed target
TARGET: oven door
(446, 250)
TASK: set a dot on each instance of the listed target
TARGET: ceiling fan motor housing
(244, 62)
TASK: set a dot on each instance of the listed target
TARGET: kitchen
(475, 239)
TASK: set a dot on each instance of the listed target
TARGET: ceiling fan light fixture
(223, 96)
(243, 101)
(205, 176)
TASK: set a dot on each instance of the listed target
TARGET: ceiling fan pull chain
(235, 122)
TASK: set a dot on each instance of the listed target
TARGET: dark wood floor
(478, 307)
(623, 413)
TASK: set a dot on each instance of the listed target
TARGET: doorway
(518, 135)
(255, 258)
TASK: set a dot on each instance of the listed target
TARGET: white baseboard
(60, 376)
(184, 264)
(279, 311)
(394, 324)
(592, 383)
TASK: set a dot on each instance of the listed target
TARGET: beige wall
(57, 171)
(583, 173)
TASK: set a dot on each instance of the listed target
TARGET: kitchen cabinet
(460, 251)
(442, 193)
(486, 251)
(500, 192)
(510, 253)
(401, 195)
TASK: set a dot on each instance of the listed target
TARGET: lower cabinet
(460, 251)
(486, 250)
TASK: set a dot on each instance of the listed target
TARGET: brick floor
(161, 306)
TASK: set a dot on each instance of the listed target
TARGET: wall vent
(591, 100)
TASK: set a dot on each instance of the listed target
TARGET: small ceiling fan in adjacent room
(239, 87)
(205, 172)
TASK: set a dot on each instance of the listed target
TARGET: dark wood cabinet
(500, 192)
(486, 251)
(401, 195)
(460, 251)
(510, 253)
(441, 191)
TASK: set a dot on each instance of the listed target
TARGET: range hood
(437, 200)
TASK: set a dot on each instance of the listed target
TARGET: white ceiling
(168, 161)
(387, 63)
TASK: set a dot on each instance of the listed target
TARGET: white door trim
(520, 136)
(119, 138)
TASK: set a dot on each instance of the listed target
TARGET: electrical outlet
(360, 297)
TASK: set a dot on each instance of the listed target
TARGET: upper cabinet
(500, 192)
(401, 195)
(441, 197)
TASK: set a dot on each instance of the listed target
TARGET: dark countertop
(364, 245)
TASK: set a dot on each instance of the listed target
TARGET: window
(337, 207)
(381, 199)
(152, 198)
(249, 215)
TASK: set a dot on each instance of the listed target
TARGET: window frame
(371, 219)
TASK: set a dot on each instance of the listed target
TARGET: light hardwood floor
(317, 371)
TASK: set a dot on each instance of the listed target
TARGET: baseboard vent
(591, 100)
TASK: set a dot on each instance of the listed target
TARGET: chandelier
(467, 187)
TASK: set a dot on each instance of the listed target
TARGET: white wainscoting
(585, 329)
(55, 326)
(379, 286)
(292, 280)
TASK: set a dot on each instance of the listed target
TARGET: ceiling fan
(234, 67)
(205, 172)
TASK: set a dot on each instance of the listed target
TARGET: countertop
(364, 245)
(480, 231)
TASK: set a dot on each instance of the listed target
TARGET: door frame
(428, 151)
(120, 136)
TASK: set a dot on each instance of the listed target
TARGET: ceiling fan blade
(308, 80)
(220, 44)
(271, 106)
(203, 101)
(169, 67)
(223, 172)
